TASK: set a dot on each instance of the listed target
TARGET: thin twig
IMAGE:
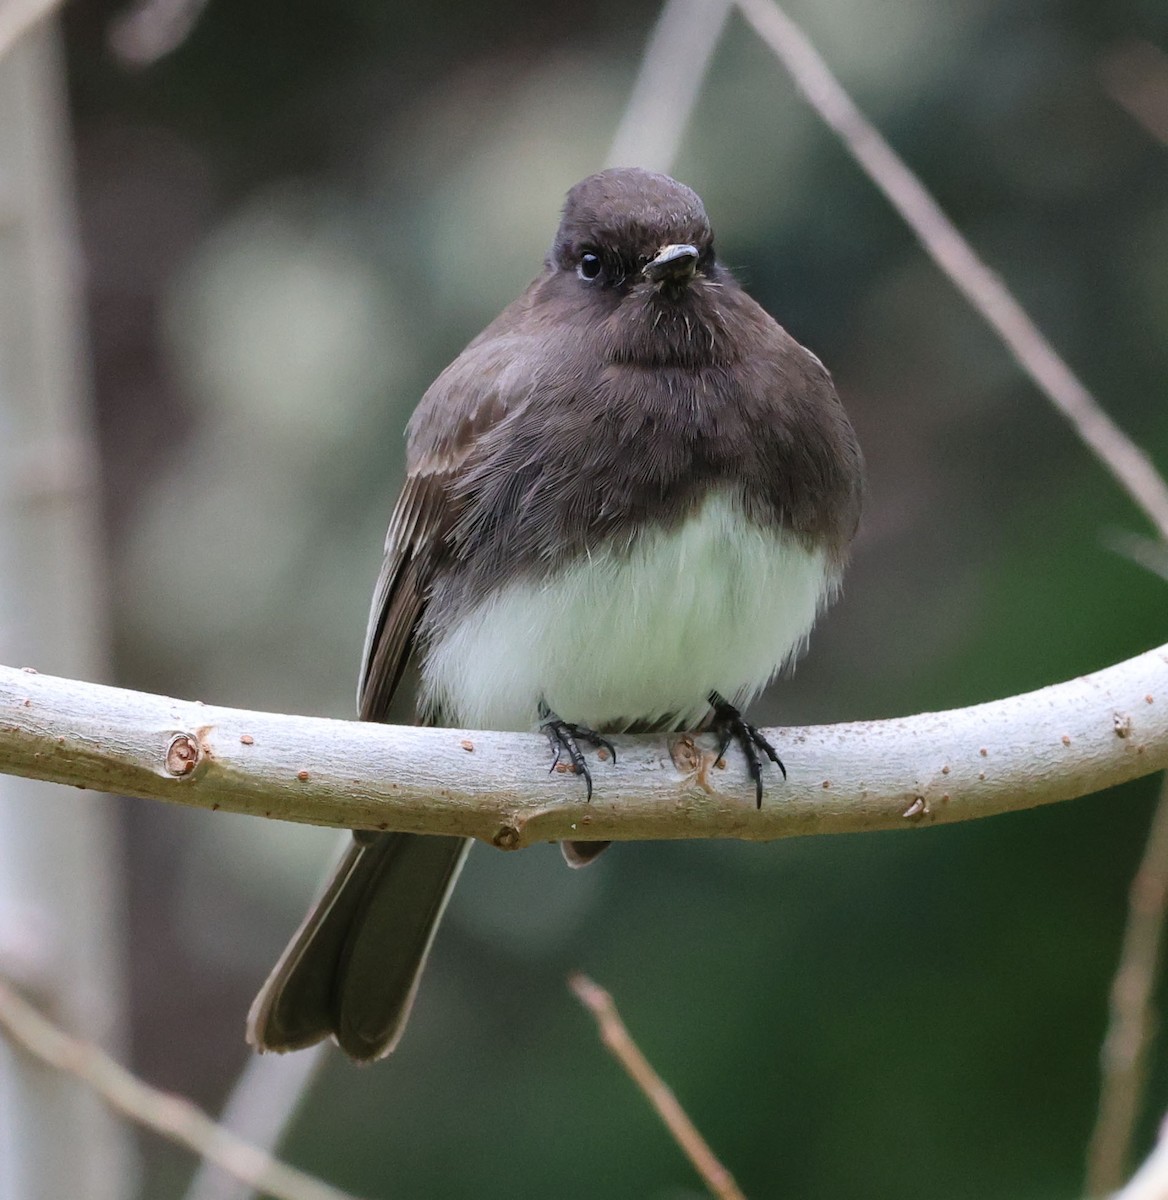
(1147, 552)
(171, 1116)
(619, 1042)
(17, 17)
(953, 254)
(261, 1106)
(672, 71)
(1125, 1049)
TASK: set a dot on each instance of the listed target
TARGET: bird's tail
(352, 968)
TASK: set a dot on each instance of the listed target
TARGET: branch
(61, 899)
(672, 71)
(17, 17)
(171, 1116)
(263, 1102)
(945, 244)
(1055, 744)
(685, 1133)
(1125, 1049)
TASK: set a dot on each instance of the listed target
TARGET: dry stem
(169, 1115)
(1125, 1049)
(947, 247)
(619, 1042)
(669, 80)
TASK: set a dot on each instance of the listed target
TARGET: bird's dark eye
(589, 267)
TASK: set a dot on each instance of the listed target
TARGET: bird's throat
(678, 327)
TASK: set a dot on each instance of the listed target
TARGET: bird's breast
(633, 633)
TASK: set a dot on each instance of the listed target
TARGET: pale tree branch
(17, 17)
(1064, 741)
(263, 1101)
(625, 1050)
(61, 926)
(945, 244)
(166, 1114)
(669, 80)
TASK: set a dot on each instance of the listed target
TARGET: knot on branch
(182, 755)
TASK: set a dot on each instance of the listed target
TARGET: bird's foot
(565, 738)
(730, 726)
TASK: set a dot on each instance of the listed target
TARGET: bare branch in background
(1128, 1042)
(1054, 744)
(166, 1114)
(619, 1042)
(1146, 552)
(1135, 76)
(672, 72)
(263, 1101)
(61, 873)
(152, 29)
(17, 17)
(947, 247)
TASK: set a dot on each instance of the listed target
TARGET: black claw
(731, 727)
(564, 736)
(725, 740)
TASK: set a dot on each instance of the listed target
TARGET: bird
(626, 503)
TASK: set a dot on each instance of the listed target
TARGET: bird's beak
(674, 264)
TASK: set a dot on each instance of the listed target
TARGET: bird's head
(627, 228)
(634, 256)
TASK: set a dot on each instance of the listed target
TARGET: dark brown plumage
(633, 423)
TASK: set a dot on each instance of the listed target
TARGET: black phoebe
(627, 500)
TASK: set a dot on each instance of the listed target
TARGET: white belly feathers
(717, 605)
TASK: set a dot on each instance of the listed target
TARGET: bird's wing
(464, 403)
(412, 547)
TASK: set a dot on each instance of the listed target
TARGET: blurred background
(290, 225)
